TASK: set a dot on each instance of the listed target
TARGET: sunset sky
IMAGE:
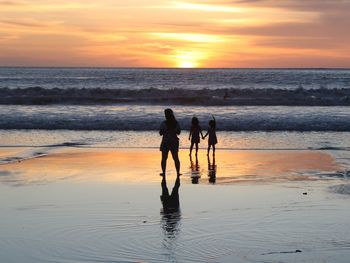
(164, 33)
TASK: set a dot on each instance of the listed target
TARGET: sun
(186, 64)
(188, 59)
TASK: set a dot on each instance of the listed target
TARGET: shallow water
(151, 139)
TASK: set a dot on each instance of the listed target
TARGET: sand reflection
(273, 165)
(262, 166)
(142, 166)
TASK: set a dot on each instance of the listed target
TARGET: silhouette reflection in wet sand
(195, 173)
(211, 170)
(171, 213)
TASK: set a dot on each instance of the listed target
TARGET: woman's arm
(189, 136)
(162, 129)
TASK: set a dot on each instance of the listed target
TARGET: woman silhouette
(169, 129)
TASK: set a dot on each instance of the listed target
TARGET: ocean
(95, 106)
(123, 99)
(134, 99)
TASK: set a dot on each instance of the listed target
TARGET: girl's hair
(195, 121)
(170, 120)
(212, 124)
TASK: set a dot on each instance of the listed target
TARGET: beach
(76, 204)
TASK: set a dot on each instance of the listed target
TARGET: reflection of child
(194, 134)
(212, 170)
(212, 135)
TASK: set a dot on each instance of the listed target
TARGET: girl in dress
(212, 135)
(194, 134)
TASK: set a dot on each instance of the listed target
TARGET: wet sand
(103, 205)
(143, 165)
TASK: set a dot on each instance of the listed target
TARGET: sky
(186, 34)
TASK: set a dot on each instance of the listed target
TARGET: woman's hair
(212, 124)
(195, 121)
(170, 120)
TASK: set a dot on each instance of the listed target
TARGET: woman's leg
(213, 149)
(164, 159)
(196, 148)
(191, 147)
(208, 149)
(175, 155)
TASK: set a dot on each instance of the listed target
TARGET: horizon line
(179, 68)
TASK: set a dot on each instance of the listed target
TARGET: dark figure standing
(169, 129)
(212, 135)
(195, 131)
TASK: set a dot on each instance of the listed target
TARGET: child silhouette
(194, 134)
(212, 135)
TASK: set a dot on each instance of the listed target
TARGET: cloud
(10, 3)
(5, 173)
(18, 22)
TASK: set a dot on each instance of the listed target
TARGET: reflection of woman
(169, 129)
(171, 214)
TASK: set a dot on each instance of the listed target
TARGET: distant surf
(177, 96)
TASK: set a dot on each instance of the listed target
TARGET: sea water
(254, 108)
